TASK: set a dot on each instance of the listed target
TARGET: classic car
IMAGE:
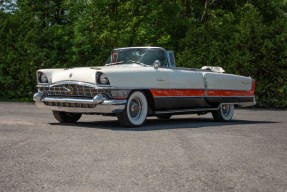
(137, 82)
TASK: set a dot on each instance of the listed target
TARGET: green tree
(244, 37)
(246, 41)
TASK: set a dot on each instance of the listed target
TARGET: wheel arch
(150, 99)
(136, 110)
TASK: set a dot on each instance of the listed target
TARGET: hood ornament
(70, 75)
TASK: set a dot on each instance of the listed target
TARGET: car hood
(88, 74)
(84, 74)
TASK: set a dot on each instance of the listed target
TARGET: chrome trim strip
(41, 85)
(73, 82)
(67, 100)
(147, 47)
(229, 96)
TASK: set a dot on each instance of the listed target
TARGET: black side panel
(172, 103)
(213, 100)
(166, 103)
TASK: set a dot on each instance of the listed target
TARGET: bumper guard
(101, 103)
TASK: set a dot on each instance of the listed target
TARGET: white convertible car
(138, 82)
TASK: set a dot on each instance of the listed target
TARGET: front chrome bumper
(101, 105)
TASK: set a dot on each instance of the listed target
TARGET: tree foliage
(245, 37)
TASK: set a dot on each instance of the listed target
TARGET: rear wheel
(225, 113)
(64, 117)
(135, 112)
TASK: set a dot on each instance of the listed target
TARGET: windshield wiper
(137, 62)
(115, 63)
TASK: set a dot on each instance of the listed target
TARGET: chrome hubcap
(225, 110)
(135, 108)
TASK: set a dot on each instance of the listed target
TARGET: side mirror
(156, 64)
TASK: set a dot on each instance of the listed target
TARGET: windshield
(144, 56)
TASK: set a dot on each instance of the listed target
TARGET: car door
(186, 89)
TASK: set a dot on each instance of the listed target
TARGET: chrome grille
(75, 90)
(78, 90)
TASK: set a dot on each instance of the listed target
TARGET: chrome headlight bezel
(42, 78)
(102, 79)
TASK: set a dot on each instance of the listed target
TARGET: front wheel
(64, 117)
(135, 112)
(225, 113)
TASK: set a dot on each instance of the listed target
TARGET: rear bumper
(248, 104)
(99, 104)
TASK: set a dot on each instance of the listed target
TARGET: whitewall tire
(135, 112)
(225, 113)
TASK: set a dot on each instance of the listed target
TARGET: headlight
(103, 79)
(42, 78)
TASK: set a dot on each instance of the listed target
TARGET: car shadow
(159, 124)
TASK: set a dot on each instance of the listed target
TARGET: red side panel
(177, 93)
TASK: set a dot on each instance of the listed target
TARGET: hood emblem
(70, 75)
(70, 90)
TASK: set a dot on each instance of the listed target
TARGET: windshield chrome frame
(108, 63)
